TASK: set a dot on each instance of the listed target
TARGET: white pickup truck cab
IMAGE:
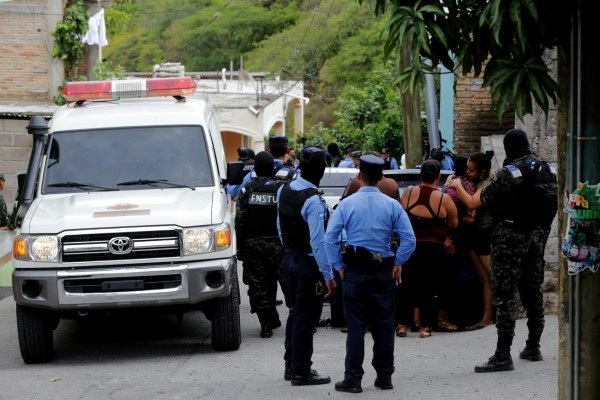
(124, 207)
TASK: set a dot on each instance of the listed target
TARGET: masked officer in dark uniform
(369, 267)
(302, 218)
(278, 147)
(260, 248)
(247, 158)
(522, 200)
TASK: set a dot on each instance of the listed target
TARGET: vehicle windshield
(133, 158)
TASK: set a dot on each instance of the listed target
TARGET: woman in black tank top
(426, 274)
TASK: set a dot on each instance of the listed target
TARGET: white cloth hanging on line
(96, 33)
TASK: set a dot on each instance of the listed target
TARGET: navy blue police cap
(278, 141)
(243, 153)
(370, 164)
(314, 155)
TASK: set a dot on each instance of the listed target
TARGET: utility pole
(411, 114)
(93, 51)
(583, 152)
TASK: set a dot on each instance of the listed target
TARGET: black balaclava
(312, 164)
(263, 164)
(516, 144)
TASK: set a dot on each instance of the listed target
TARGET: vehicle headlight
(36, 248)
(197, 240)
(202, 240)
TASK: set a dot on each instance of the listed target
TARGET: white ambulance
(124, 208)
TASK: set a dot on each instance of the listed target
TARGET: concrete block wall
(15, 149)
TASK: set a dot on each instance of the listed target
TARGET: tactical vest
(387, 163)
(282, 172)
(260, 207)
(248, 166)
(294, 230)
(534, 200)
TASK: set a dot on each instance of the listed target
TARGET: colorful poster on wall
(582, 237)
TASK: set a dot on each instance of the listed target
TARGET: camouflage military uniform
(4, 217)
(262, 257)
(517, 262)
(262, 266)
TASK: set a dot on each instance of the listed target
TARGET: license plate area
(122, 286)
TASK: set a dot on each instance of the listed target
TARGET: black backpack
(536, 194)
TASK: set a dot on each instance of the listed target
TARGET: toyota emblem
(120, 245)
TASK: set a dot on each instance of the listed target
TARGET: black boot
(266, 328)
(496, 363)
(532, 351)
(384, 382)
(501, 360)
(266, 331)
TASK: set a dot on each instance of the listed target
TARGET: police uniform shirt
(234, 190)
(393, 163)
(447, 162)
(369, 217)
(346, 163)
(313, 212)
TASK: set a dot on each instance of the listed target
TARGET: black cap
(243, 153)
(356, 154)
(313, 155)
(371, 165)
(278, 141)
(385, 151)
(263, 164)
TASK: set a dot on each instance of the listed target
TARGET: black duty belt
(360, 257)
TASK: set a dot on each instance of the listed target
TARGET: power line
(215, 16)
(297, 48)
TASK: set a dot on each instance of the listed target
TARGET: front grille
(131, 284)
(91, 247)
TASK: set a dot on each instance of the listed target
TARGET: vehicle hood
(96, 210)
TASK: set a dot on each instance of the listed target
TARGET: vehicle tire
(35, 328)
(226, 330)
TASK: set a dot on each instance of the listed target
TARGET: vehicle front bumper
(124, 286)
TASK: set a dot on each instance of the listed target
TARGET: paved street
(163, 359)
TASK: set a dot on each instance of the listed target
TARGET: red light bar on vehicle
(131, 88)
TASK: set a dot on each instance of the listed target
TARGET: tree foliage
(368, 116)
(502, 39)
(203, 35)
(67, 37)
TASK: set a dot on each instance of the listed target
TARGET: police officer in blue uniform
(302, 216)
(369, 265)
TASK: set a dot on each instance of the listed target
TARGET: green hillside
(330, 44)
